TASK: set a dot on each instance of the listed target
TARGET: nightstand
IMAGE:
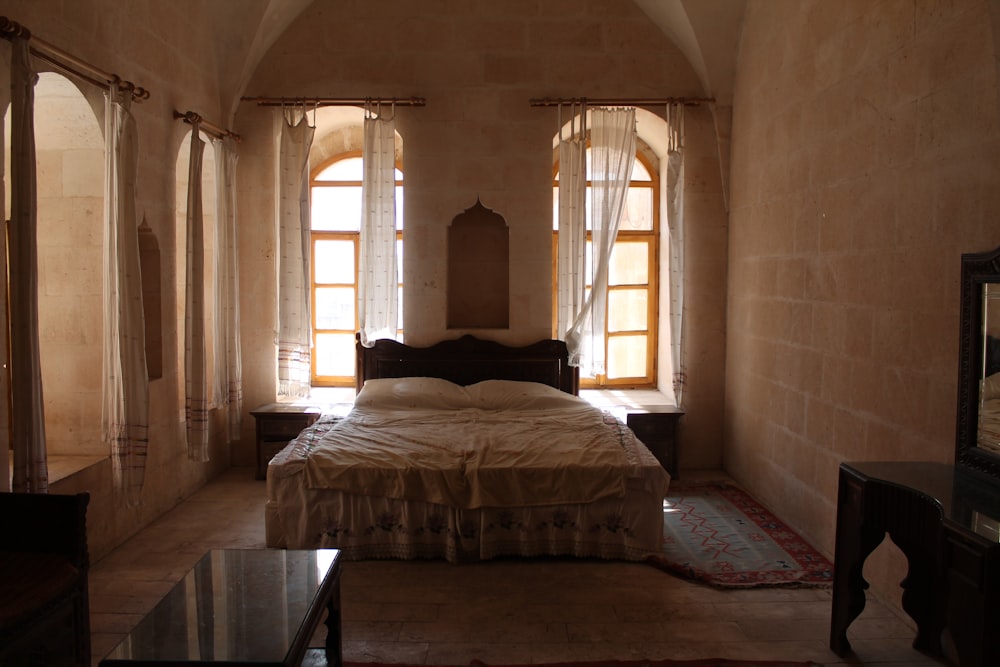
(656, 426)
(277, 424)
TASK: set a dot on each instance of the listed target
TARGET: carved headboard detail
(468, 360)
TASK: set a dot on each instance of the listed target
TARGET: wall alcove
(478, 270)
(149, 268)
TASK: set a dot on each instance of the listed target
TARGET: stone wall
(865, 143)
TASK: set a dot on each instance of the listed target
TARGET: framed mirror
(978, 436)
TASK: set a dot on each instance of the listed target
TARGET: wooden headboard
(468, 360)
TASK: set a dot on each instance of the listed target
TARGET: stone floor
(503, 612)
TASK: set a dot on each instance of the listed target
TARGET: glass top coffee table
(248, 607)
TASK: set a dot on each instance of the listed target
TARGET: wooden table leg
(334, 652)
(866, 511)
(850, 553)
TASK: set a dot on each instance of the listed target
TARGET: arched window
(335, 188)
(69, 154)
(631, 327)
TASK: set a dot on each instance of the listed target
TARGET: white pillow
(514, 395)
(415, 393)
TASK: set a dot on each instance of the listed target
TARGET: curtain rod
(623, 101)
(335, 101)
(192, 118)
(67, 62)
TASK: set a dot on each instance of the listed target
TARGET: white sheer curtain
(228, 365)
(196, 397)
(126, 384)
(295, 137)
(377, 279)
(572, 238)
(675, 225)
(30, 472)
(612, 154)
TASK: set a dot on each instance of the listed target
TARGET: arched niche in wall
(149, 269)
(478, 270)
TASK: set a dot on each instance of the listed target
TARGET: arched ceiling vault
(706, 31)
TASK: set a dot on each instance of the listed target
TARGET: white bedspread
(472, 457)
(529, 471)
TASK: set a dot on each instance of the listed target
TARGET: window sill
(620, 401)
(60, 467)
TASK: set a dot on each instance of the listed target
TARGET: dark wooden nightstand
(277, 424)
(656, 426)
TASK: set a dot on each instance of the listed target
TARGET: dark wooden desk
(945, 521)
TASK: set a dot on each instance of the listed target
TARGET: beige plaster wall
(865, 143)
(478, 65)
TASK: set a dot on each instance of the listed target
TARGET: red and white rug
(714, 532)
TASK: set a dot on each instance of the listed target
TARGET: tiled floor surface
(503, 612)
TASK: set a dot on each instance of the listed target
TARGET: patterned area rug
(716, 533)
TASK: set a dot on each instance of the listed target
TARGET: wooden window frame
(353, 236)
(652, 286)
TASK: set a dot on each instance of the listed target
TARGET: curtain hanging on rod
(675, 226)
(27, 418)
(619, 102)
(125, 390)
(229, 368)
(211, 129)
(572, 239)
(70, 64)
(612, 153)
(335, 101)
(195, 343)
(377, 280)
(294, 135)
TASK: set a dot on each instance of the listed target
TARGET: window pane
(335, 354)
(399, 310)
(626, 357)
(335, 308)
(399, 204)
(333, 261)
(588, 266)
(638, 213)
(629, 263)
(349, 169)
(555, 208)
(639, 171)
(627, 310)
(336, 209)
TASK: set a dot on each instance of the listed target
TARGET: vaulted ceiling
(706, 31)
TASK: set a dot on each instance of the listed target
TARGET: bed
(467, 450)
